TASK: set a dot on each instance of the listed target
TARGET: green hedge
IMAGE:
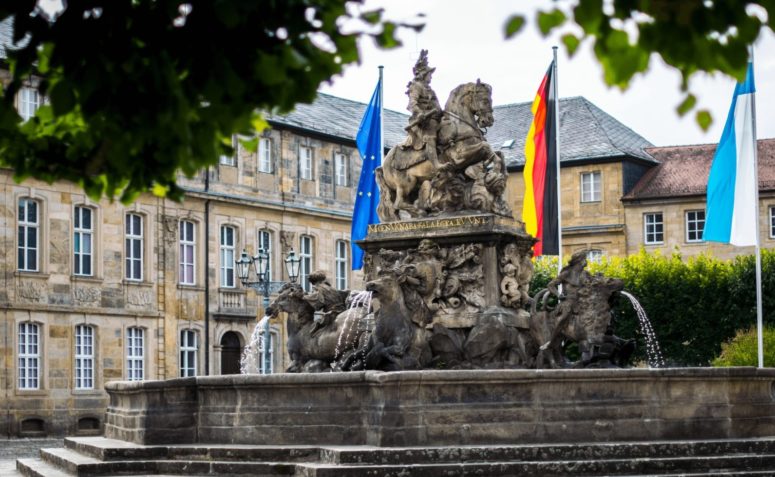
(743, 349)
(694, 305)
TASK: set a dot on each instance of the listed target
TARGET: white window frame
(189, 352)
(84, 357)
(595, 255)
(591, 186)
(305, 163)
(262, 368)
(83, 239)
(187, 253)
(694, 225)
(28, 364)
(135, 354)
(265, 242)
(653, 223)
(227, 255)
(134, 234)
(341, 257)
(772, 221)
(29, 232)
(307, 255)
(28, 101)
(340, 170)
(265, 155)
(229, 160)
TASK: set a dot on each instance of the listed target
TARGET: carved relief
(170, 224)
(516, 268)
(139, 298)
(31, 291)
(287, 239)
(86, 295)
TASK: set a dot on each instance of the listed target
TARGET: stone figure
(397, 342)
(445, 165)
(582, 314)
(326, 300)
(313, 347)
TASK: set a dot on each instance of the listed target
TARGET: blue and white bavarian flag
(732, 207)
(369, 141)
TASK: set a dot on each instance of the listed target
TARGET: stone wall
(426, 408)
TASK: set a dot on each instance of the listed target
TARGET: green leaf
(550, 20)
(571, 43)
(687, 104)
(373, 16)
(704, 119)
(513, 25)
(387, 38)
(588, 14)
(258, 122)
(62, 98)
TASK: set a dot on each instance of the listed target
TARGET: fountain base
(432, 408)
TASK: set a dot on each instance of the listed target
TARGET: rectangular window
(265, 155)
(695, 223)
(595, 255)
(265, 242)
(340, 169)
(189, 349)
(228, 245)
(653, 228)
(29, 235)
(305, 268)
(341, 264)
(135, 354)
(772, 222)
(84, 357)
(267, 367)
(83, 240)
(590, 187)
(305, 162)
(133, 246)
(29, 356)
(229, 159)
(29, 102)
(187, 253)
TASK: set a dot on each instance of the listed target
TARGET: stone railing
(231, 300)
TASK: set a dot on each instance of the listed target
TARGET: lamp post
(262, 284)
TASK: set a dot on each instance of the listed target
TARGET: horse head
(290, 299)
(481, 104)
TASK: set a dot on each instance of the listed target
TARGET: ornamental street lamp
(262, 284)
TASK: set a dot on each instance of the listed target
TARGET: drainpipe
(207, 274)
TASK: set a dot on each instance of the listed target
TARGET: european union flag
(369, 141)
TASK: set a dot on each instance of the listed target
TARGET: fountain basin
(427, 408)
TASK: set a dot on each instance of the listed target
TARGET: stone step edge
(111, 450)
(36, 467)
(69, 461)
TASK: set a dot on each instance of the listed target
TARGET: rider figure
(426, 112)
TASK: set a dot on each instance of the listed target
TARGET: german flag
(539, 210)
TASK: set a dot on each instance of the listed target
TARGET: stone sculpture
(445, 164)
(313, 345)
(582, 314)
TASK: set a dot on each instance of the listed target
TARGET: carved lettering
(455, 222)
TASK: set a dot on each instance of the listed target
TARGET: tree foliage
(694, 305)
(691, 36)
(141, 89)
(743, 349)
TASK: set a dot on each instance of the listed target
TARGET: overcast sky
(465, 42)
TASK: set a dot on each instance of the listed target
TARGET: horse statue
(582, 314)
(313, 348)
(421, 182)
(397, 341)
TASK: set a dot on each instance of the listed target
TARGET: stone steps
(96, 456)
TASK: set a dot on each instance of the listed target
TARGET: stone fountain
(453, 368)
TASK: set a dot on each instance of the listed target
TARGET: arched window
(84, 357)
(135, 354)
(594, 255)
(228, 246)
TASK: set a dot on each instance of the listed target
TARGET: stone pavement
(12, 449)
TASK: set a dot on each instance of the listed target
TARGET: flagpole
(381, 118)
(759, 313)
(557, 146)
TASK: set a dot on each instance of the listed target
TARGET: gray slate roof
(586, 132)
(340, 117)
